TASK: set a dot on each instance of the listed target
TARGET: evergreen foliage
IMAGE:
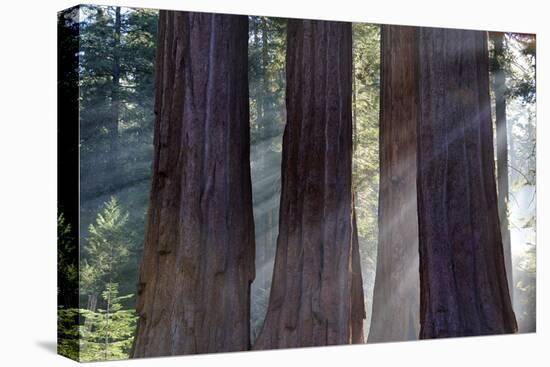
(104, 329)
(105, 251)
(117, 162)
(67, 258)
(107, 334)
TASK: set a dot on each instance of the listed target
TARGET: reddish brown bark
(395, 309)
(463, 282)
(311, 295)
(198, 261)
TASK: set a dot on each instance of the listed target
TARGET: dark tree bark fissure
(311, 294)
(198, 261)
(463, 282)
(395, 310)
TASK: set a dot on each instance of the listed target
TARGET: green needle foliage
(107, 334)
(68, 335)
(104, 329)
(67, 255)
(105, 251)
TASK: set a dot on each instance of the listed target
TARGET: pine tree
(105, 250)
(104, 332)
(107, 334)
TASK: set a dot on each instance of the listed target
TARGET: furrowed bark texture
(462, 275)
(311, 295)
(198, 262)
(395, 310)
(502, 154)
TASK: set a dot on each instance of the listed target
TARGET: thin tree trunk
(263, 127)
(259, 91)
(511, 158)
(354, 106)
(115, 92)
(92, 302)
(395, 307)
(265, 80)
(108, 300)
(269, 244)
(502, 153)
(198, 261)
(311, 294)
(463, 283)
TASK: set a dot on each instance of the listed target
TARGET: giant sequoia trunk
(395, 309)
(311, 295)
(462, 274)
(502, 152)
(198, 261)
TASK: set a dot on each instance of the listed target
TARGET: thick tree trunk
(198, 261)
(462, 274)
(395, 309)
(311, 294)
(502, 153)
